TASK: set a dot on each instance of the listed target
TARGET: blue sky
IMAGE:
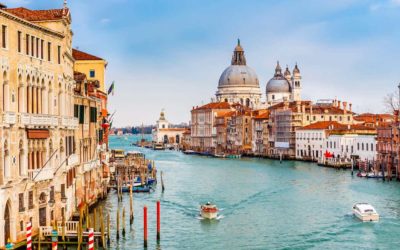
(169, 54)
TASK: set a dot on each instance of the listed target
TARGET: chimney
(311, 111)
(344, 107)
(350, 105)
(303, 108)
(3, 6)
(338, 104)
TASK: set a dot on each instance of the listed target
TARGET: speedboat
(365, 212)
(209, 211)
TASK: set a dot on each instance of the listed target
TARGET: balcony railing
(73, 160)
(41, 175)
(9, 118)
(44, 120)
(90, 165)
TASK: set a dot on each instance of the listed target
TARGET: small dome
(238, 75)
(278, 85)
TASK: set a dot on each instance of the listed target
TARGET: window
(42, 49)
(81, 114)
(366, 146)
(19, 41)
(21, 202)
(372, 147)
(52, 193)
(273, 97)
(93, 114)
(49, 51)
(30, 201)
(92, 73)
(358, 146)
(27, 44)
(4, 36)
(63, 191)
(32, 46)
(59, 54)
(37, 47)
(76, 110)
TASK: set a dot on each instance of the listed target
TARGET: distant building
(164, 133)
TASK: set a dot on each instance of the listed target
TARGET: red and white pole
(145, 226)
(91, 239)
(29, 236)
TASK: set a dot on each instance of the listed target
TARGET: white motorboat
(365, 212)
(209, 211)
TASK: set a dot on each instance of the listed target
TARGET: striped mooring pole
(54, 239)
(91, 239)
(29, 236)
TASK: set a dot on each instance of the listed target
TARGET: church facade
(239, 83)
(165, 134)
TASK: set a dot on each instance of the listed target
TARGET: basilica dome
(278, 83)
(238, 75)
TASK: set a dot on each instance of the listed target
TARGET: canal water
(265, 205)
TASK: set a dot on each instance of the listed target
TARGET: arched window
(165, 139)
(248, 102)
(177, 139)
(21, 159)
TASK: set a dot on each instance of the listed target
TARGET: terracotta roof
(262, 114)
(39, 15)
(83, 56)
(322, 125)
(372, 118)
(214, 105)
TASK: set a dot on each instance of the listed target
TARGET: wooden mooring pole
(162, 182)
(158, 221)
(130, 205)
(145, 226)
(118, 223)
(108, 229)
(123, 221)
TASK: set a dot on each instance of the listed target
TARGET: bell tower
(296, 84)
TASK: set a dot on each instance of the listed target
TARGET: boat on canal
(365, 212)
(137, 189)
(158, 146)
(209, 211)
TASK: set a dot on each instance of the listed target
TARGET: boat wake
(219, 217)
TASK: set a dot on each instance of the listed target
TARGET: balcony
(73, 160)
(90, 165)
(38, 175)
(44, 120)
(9, 118)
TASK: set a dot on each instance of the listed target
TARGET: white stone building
(284, 87)
(163, 133)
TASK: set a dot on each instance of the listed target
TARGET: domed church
(284, 87)
(239, 83)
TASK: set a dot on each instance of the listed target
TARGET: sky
(169, 54)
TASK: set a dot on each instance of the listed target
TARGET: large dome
(278, 85)
(238, 75)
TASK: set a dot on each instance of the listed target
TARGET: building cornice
(30, 24)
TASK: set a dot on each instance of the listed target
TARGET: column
(45, 108)
(21, 99)
(6, 96)
(40, 159)
(50, 101)
(28, 99)
(40, 89)
(34, 100)
(34, 160)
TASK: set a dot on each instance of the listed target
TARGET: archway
(7, 222)
(165, 139)
(248, 102)
(177, 139)
(42, 209)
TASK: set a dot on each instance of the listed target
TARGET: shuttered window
(81, 114)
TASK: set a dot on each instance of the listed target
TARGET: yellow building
(92, 66)
(37, 126)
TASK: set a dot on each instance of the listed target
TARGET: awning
(38, 133)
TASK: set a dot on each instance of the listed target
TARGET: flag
(111, 89)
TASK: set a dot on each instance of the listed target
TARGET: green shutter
(81, 114)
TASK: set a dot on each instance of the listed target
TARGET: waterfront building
(260, 141)
(286, 117)
(203, 130)
(239, 137)
(37, 125)
(349, 141)
(92, 66)
(373, 120)
(186, 140)
(164, 133)
(45, 139)
(239, 83)
(221, 123)
(388, 147)
(284, 86)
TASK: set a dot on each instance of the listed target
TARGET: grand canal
(265, 205)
